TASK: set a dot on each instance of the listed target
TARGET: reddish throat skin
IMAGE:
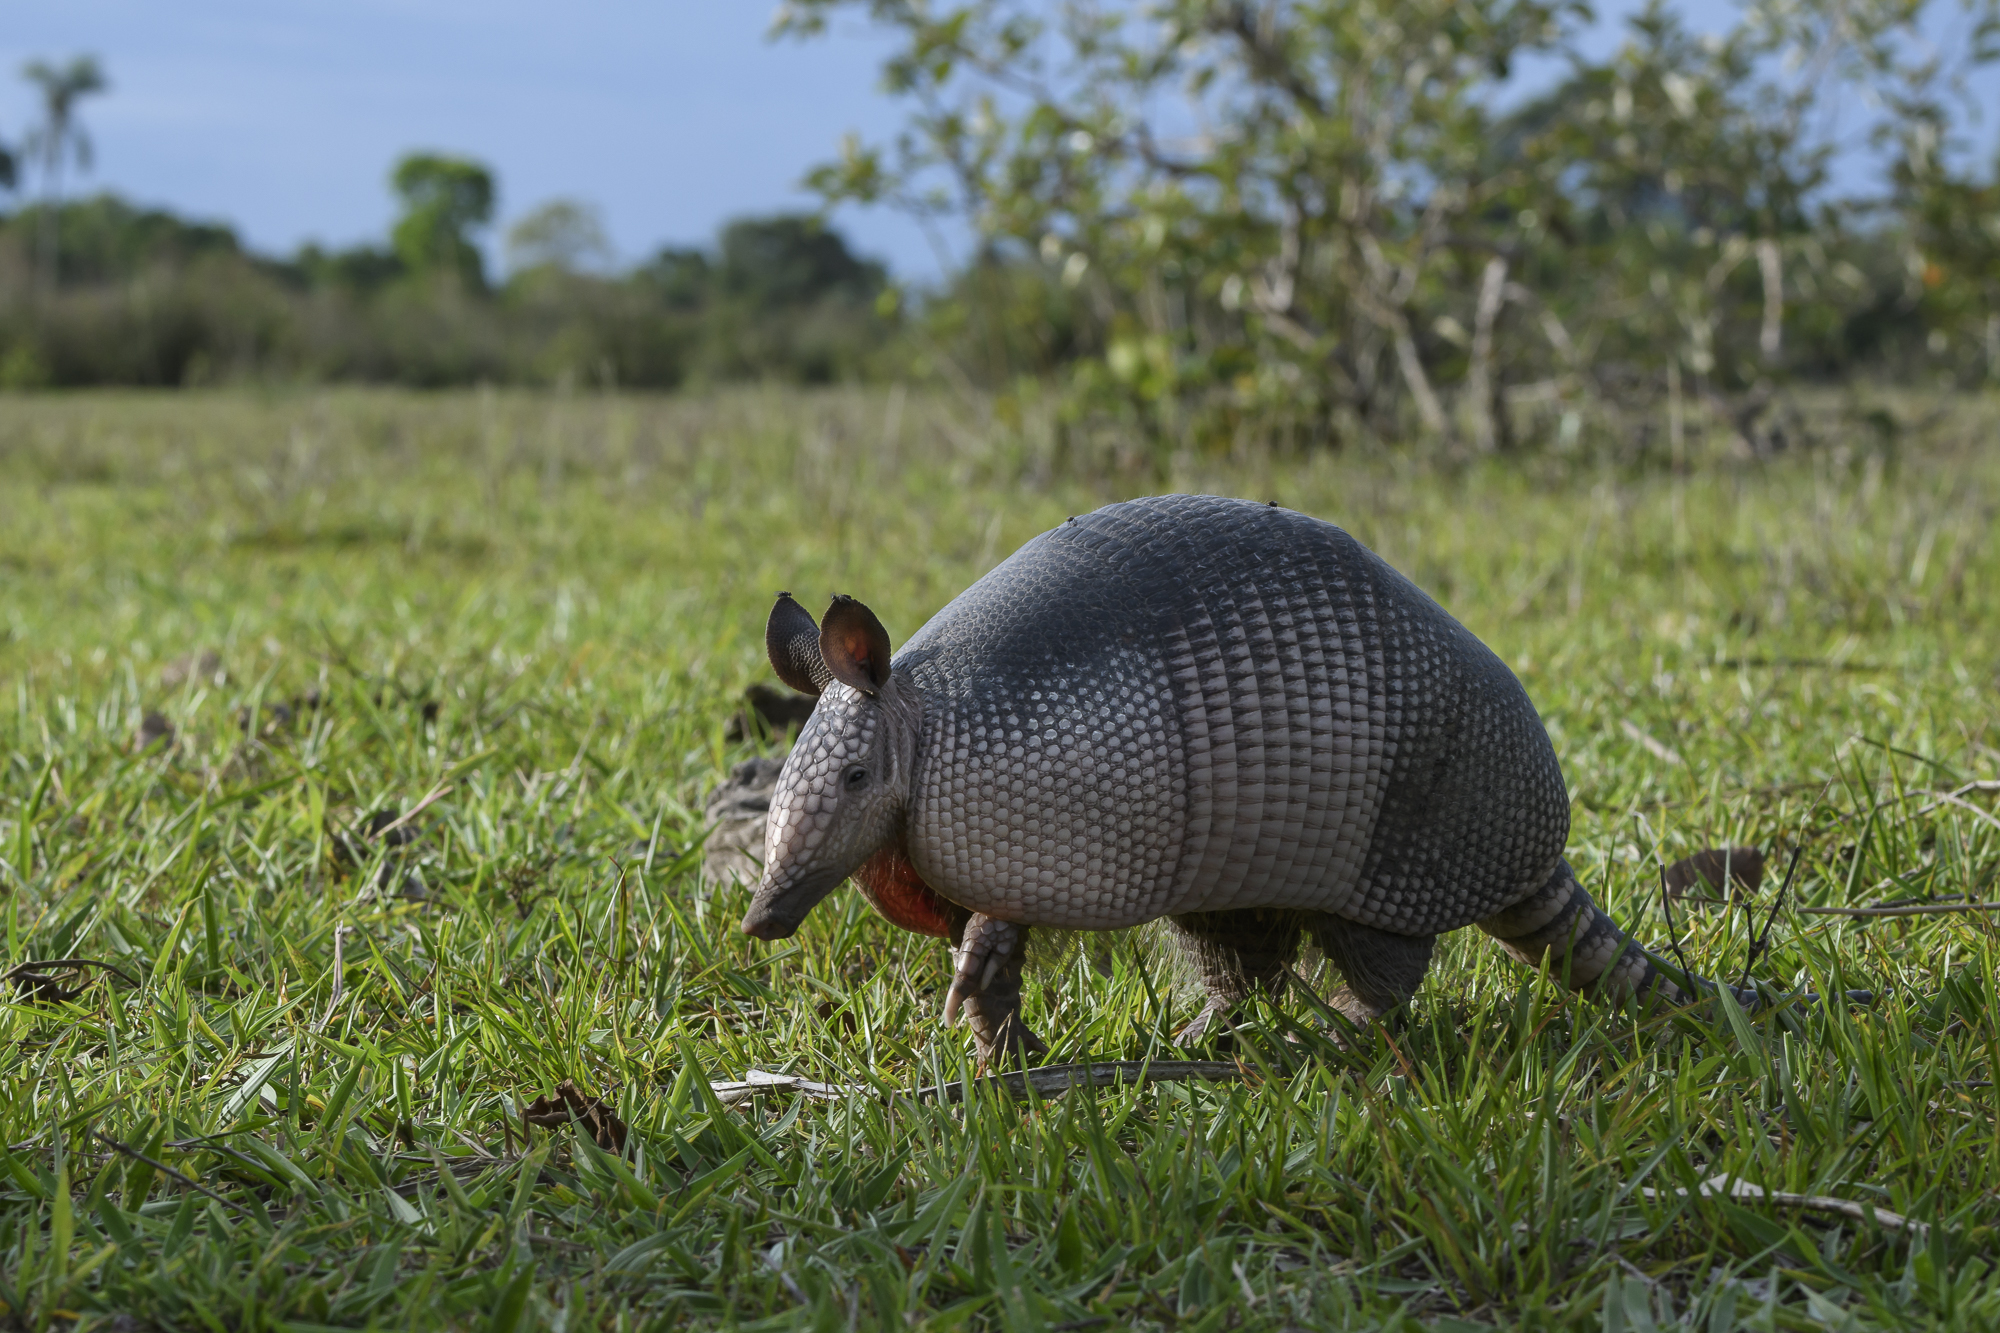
(898, 892)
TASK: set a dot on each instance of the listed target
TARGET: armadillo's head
(845, 788)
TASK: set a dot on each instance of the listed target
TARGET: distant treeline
(143, 297)
(1382, 232)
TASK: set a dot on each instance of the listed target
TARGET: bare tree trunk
(1271, 293)
(1677, 451)
(1479, 388)
(1676, 418)
(1552, 328)
(1386, 309)
(1412, 366)
(51, 205)
(1771, 264)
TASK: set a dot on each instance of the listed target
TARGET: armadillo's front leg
(987, 987)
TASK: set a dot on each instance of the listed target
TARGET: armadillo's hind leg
(1583, 946)
(1237, 954)
(987, 987)
(1381, 970)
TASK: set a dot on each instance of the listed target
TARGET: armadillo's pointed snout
(777, 910)
(762, 923)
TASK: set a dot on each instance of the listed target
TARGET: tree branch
(1391, 317)
(1479, 389)
(1266, 60)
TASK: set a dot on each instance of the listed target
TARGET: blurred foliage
(1348, 218)
(445, 200)
(561, 234)
(147, 298)
(1196, 225)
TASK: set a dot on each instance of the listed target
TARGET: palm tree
(59, 136)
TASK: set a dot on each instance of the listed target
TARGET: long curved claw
(963, 984)
(985, 949)
(986, 985)
(1214, 1018)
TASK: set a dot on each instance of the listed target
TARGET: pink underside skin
(898, 892)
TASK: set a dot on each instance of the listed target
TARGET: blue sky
(283, 118)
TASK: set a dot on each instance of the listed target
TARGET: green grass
(546, 607)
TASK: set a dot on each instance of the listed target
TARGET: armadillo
(1227, 714)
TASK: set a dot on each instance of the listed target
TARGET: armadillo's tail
(1582, 944)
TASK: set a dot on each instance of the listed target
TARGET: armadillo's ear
(854, 645)
(792, 640)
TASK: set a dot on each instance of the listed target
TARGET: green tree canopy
(564, 235)
(682, 279)
(60, 136)
(792, 260)
(444, 201)
(106, 239)
(1342, 214)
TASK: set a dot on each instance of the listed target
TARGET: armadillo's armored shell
(1193, 704)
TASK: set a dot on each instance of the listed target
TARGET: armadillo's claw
(1211, 1022)
(987, 945)
(956, 996)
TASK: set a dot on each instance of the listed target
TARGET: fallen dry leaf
(154, 729)
(606, 1130)
(389, 826)
(38, 983)
(825, 1010)
(203, 668)
(1708, 868)
(781, 711)
(39, 988)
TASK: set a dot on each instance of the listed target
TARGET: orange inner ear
(854, 643)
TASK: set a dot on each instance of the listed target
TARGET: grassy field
(297, 1100)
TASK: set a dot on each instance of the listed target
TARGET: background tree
(563, 235)
(444, 201)
(792, 260)
(677, 277)
(1344, 217)
(785, 299)
(1950, 240)
(59, 137)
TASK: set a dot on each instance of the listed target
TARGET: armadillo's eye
(856, 777)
